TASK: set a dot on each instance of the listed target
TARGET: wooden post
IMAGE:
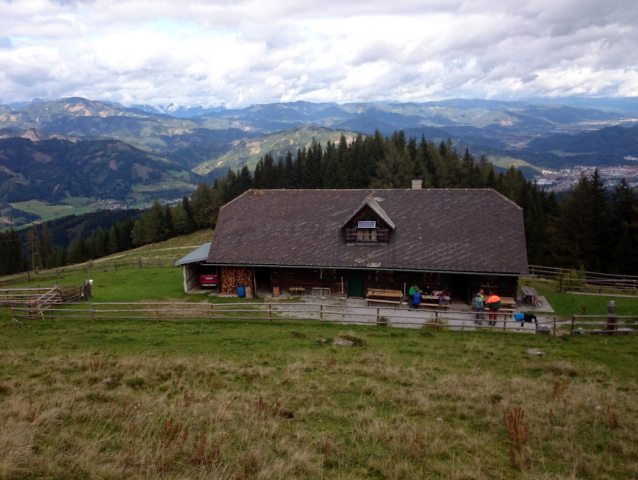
(212, 312)
(156, 313)
(377, 316)
(560, 283)
(270, 312)
(504, 322)
(436, 316)
(612, 319)
(12, 314)
(57, 273)
(93, 316)
(321, 314)
(554, 327)
(571, 331)
(28, 276)
(139, 260)
(115, 263)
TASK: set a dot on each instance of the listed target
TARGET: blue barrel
(241, 291)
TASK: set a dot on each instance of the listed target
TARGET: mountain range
(75, 147)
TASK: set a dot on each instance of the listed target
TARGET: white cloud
(241, 52)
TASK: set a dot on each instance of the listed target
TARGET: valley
(76, 155)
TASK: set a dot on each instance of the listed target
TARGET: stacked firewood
(233, 276)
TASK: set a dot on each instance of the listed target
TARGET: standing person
(479, 306)
(494, 304)
(416, 299)
(413, 289)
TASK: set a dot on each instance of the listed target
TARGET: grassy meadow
(243, 400)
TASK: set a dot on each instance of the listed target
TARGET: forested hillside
(54, 170)
(593, 228)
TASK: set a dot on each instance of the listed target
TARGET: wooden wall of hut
(391, 280)
(286, 278)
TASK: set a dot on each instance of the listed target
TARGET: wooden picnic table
(529, 295)
(508, 302)
(393, 297)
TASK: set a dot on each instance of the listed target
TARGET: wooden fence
(593, 282)
(604, 324)
(46, 294)
(293, 311)
(84, 268)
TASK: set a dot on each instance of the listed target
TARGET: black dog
(528, 318)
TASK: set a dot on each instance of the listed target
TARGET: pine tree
(395, 170)
(188, 211)
(45, 245)
(114, 239)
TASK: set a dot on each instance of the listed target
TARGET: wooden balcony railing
(358, 235)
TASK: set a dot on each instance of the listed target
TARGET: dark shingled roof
(436, 230)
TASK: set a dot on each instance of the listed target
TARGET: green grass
(105, 400)
(78, 201)
(507, 162)
(50, 212)
(565, 305)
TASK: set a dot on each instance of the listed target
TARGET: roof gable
(372, 203)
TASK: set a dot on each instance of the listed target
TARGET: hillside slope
(249, 151)
(54, 170)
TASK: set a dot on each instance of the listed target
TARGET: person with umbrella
(494, 304)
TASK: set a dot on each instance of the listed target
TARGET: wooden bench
(396, 303)
(432, 305)
(294, 290)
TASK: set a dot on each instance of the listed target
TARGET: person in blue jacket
(416, 299)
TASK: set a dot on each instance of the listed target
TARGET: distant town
(562, 180)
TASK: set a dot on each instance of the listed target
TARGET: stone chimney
(417, 183)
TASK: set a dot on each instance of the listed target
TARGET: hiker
(479, 307)
(444, 298)
(416, 299)
(494, 304)
(413, 289)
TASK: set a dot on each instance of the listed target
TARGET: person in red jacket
(494, 304)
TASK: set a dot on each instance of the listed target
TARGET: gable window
(366, 231)
(368, 225)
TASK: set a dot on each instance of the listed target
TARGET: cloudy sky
(240, 52)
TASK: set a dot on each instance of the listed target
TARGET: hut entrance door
(262, 276)
(356, 284)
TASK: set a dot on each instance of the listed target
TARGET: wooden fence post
(560, 284)
(212, 312)
(270, 312)
(12, 314)
(115, 263)
(156, 313)
(57, 273)
(377, 316)
(321, 314)
(28, 276)
(436, 317)
(139, 260)
(571, 331)
(93, 316)
(554, 327)
(504, 322)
